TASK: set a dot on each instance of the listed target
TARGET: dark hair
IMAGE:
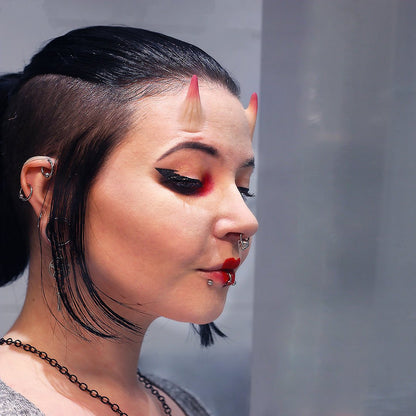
(73, 101)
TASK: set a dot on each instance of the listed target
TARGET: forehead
(224, 123)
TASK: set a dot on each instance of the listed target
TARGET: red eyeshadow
(207, 185)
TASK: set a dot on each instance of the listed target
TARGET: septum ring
(244, 242)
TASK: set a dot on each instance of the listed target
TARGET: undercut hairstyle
(74, 101)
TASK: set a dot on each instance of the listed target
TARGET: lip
(223, 275)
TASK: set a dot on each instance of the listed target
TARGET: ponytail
(14, 245)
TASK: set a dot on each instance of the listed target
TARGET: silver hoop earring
(47, 175)
(22, 196)
(244, 242)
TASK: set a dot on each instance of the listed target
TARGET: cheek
(140, 245)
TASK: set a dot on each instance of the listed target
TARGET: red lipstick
(228, 271)
(223, 275)
(231, 264)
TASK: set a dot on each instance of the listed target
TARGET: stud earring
(244, 242)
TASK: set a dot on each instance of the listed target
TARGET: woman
(125, 161)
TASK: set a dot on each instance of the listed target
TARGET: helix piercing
(47, 175)
(22, 196)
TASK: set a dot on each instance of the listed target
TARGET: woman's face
(166, 211)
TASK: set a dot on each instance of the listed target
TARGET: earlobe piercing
(243, 242)
(22, 196)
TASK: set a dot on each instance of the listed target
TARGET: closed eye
(178, 183)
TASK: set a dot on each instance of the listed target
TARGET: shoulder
(13, 403)
(186, 400)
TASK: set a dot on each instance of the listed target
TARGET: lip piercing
(210, 282)
(230, 280)
(243, 242)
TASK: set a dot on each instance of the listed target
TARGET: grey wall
(335, 289)
(229, 30)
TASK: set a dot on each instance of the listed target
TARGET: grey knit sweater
(14, 404)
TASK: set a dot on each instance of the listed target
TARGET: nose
(234, 217)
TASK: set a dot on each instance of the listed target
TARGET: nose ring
(243, 242)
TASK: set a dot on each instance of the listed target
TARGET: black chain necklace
(82, 386)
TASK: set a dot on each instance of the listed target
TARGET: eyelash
(190, 186)
(245, 193)
(179, 183)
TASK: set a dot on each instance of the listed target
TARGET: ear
(36, 182)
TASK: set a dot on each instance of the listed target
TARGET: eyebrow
(191, 145)
(210, 150)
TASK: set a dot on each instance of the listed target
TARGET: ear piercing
(47, 175)
(244, 242)
(22, 196)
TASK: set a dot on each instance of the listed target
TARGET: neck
(98, 361)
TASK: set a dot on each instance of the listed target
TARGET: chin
(199, 316)
(207, 318)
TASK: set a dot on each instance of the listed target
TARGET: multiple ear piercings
(47, 175)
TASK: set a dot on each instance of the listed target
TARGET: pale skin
(148, 245)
